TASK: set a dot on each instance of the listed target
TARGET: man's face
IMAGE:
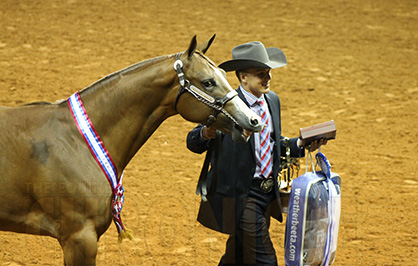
(256, 80)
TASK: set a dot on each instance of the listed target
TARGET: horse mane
(38, 103)
(126, 71)
(106, 79)
(136, 66)
(206, 58)
(45, 103)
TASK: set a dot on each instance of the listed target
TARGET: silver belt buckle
(267, 185)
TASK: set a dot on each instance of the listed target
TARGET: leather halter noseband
(217, 104)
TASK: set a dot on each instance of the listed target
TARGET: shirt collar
(251, 99)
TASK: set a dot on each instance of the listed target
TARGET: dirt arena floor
(351, 61)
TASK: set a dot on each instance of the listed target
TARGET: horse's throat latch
(217, 104)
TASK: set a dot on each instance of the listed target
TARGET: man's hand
(314, 145)
(208, 133)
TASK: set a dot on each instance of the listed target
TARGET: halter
(217, 104)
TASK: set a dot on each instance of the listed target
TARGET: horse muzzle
(241, 132)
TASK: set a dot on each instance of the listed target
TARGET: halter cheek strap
(217, 104)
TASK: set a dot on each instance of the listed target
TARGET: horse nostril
(254, 121)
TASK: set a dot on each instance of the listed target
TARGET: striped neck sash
(101, 155)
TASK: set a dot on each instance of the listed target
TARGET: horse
(52, 175)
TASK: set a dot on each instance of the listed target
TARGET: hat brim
(240, 64)
(276, 59)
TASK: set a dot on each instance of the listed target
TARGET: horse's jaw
(246, 121)
(240, 135)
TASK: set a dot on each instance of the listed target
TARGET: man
(247, 192)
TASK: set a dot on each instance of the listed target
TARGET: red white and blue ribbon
(100, 154)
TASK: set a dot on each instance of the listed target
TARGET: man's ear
(242, 76)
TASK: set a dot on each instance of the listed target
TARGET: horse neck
(128, 106)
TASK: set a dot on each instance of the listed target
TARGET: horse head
(206, 97)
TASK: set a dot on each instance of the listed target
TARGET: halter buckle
(178, 64)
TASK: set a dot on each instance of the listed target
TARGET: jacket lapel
(251, 140)
(274, 108)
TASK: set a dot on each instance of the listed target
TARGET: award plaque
(325, 130)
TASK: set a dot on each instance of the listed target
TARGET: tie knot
(260, 102)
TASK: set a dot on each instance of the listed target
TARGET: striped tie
(265, 147)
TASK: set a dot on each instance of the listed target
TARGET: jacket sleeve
(195, 142)
(295, 151)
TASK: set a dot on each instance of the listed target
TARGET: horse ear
(205, 46)
(192, 47)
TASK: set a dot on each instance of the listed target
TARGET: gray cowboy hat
(254, 55)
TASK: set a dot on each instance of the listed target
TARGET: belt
(265, 184)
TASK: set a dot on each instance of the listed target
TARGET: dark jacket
(236, 168)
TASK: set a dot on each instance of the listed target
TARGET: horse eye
(208, 83)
